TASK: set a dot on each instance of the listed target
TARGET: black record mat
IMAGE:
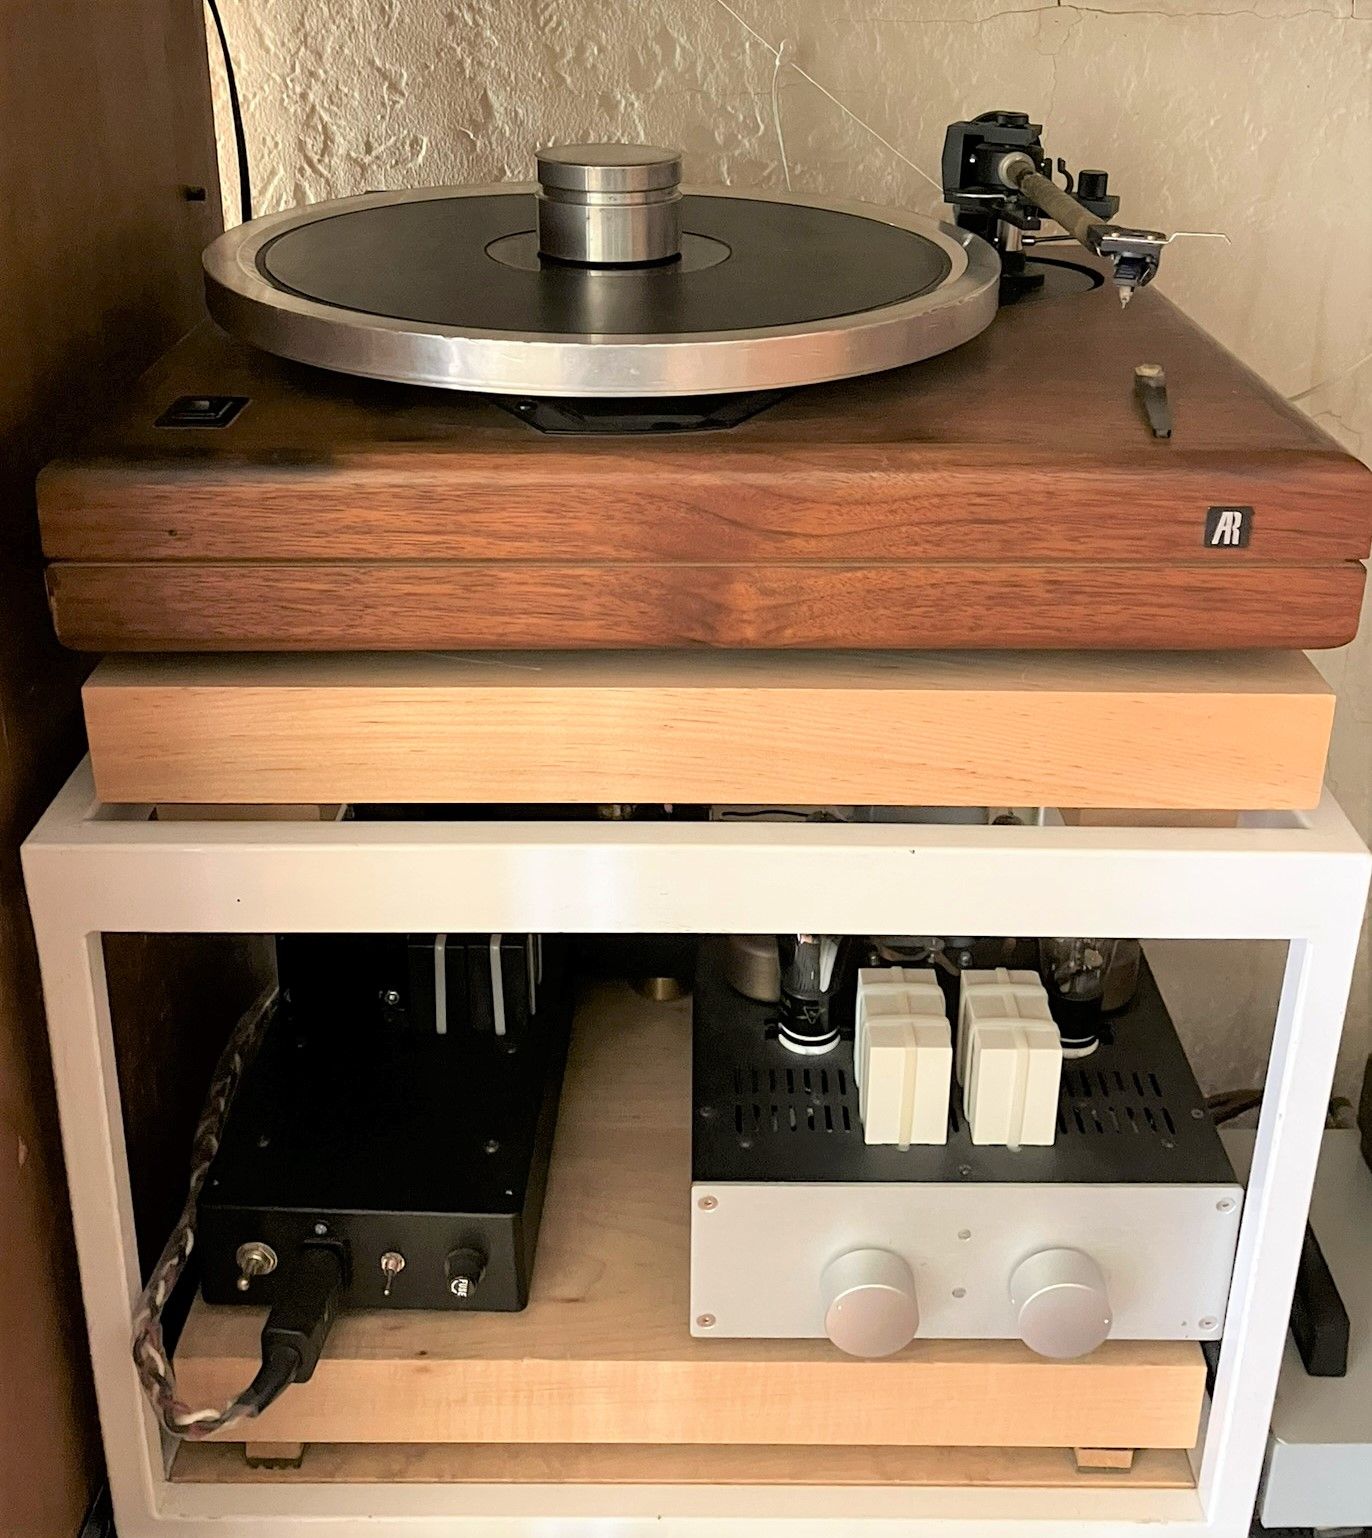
(747, 264)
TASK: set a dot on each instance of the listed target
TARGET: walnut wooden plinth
(1008, 493)
(603, 1354)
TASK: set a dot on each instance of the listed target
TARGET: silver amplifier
(1124, 1228)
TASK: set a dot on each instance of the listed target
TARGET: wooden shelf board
(412, 1463)
(1187, 731)
(603, 1353)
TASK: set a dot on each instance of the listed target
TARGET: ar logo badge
(1228, 527)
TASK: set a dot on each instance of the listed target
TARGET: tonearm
(999, 180)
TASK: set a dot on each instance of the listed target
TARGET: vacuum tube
(808, 967)
(1086, 980)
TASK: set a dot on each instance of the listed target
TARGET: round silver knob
(609, 205)
(870, 1308)
(1061, 1302)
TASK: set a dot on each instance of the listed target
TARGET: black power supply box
(415, 1144)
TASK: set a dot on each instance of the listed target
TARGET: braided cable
(150, 1356)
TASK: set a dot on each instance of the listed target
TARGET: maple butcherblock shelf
(603, 1354)
(1208, 732)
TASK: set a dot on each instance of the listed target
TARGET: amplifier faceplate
(1166, 1252)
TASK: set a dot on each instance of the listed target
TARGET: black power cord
(236, 111)
(306, 1300)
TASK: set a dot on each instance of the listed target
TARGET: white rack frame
(93, 869)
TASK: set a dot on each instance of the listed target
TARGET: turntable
(609, 412)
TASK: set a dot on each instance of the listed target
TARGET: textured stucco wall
(1254, 119)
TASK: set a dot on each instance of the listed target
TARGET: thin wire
(1324, 384)
(825, 91)
(781, 63)
(240, 137)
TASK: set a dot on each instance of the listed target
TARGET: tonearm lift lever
(998, 178)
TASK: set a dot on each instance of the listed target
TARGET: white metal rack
(93, 870)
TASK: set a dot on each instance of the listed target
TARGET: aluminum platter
(446, 287)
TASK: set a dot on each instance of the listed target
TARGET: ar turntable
(609, 412)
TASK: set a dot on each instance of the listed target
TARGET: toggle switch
(254, 1259)
(392, 1264)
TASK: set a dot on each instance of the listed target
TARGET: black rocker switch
(202, 411)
